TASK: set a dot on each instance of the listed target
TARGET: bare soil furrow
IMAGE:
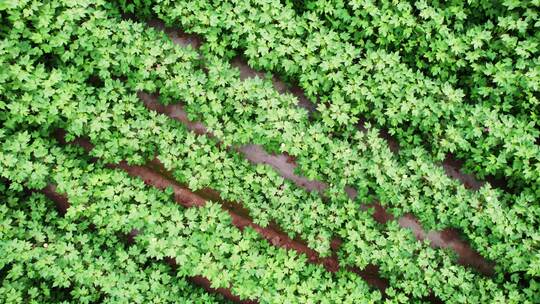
(240, 219)
(452, 167)
(225, 292)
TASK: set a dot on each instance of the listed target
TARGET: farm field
(269, 151)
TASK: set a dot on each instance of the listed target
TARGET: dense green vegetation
(78, 66)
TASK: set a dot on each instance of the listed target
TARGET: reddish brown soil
(390, 140)
(452, 167)
(282, 163)
(177, 36)
(450, 238)
(207, 285)
(181, 195)
(62, 203)
(371, 275)
(175, 111)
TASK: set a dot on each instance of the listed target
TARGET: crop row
(202, 241)
(346, 81)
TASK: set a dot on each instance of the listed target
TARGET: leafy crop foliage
(351, 76)
(78, 66)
